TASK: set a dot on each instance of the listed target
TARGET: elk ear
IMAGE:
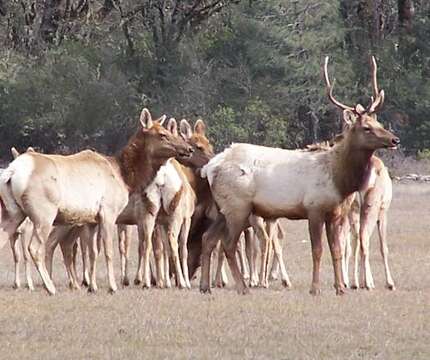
(30, 149)
(172, 126)
(146, 119)
(185, 128)
(14, 152)
(349, 117)
(161, 120)
(360, 109)
(200, 127)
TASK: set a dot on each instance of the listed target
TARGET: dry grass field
(274, 323)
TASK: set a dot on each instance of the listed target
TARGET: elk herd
(187, 202)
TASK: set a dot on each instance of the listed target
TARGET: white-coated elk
(86, 187)
(248, 179)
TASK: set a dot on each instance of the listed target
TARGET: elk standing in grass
(368, 210)
(248, 179)
(83, 188)
(144, 207)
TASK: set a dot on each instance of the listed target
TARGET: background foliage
(75, 73)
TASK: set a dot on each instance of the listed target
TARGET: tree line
(75, 73)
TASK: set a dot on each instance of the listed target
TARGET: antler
(378, 96)
(330, 89)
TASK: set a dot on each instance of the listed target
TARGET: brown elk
(86, 187)
(369, 208)
(248, 179)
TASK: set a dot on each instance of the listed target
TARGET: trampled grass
(269, 323)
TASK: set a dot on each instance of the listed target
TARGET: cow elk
(84, 188)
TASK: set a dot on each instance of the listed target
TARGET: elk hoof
(315, 291)
(340, 291)
(391, 287)
(112, 291)
(92, 290)
(354, 287)
(125, 282)
(286, 283)
(137, 281)
(205, 290)
(16, 286)
(85, 283)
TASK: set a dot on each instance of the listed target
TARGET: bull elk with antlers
(270, 182)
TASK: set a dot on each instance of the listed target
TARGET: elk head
(362, 127)
(159, 142)
(203, 150)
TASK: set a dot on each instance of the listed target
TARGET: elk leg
(124, 244)
(315, 232)
(382, 232)
(68, 249)
(278, 254)
(107, 227)
(345, 243)
(209, 240)
(158, 238)
(25, 240)
(139, 272)
(40, 236)
(172, 235)
(251, 255)
(334, 233)
(93, 248)
(354, 220)
(83, 243)
(220, 276)
(236, 223)
(183, 239)
(241, 252)
(145, 230)
(260, 230)
(367, 224)
(16, 258)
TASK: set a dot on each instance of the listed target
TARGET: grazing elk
(84, 188)
(248, 179)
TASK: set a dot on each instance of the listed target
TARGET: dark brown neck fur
(138, 165)
(351, 168)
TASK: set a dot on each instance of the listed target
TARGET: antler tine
(330, 89)
(374, 78)
(378, 96)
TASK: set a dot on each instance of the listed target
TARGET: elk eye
(367, 129)
(199, 147)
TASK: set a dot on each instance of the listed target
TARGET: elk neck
(138, 165)
(352, 167)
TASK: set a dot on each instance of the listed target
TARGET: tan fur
(83, 188)
(369, 209)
